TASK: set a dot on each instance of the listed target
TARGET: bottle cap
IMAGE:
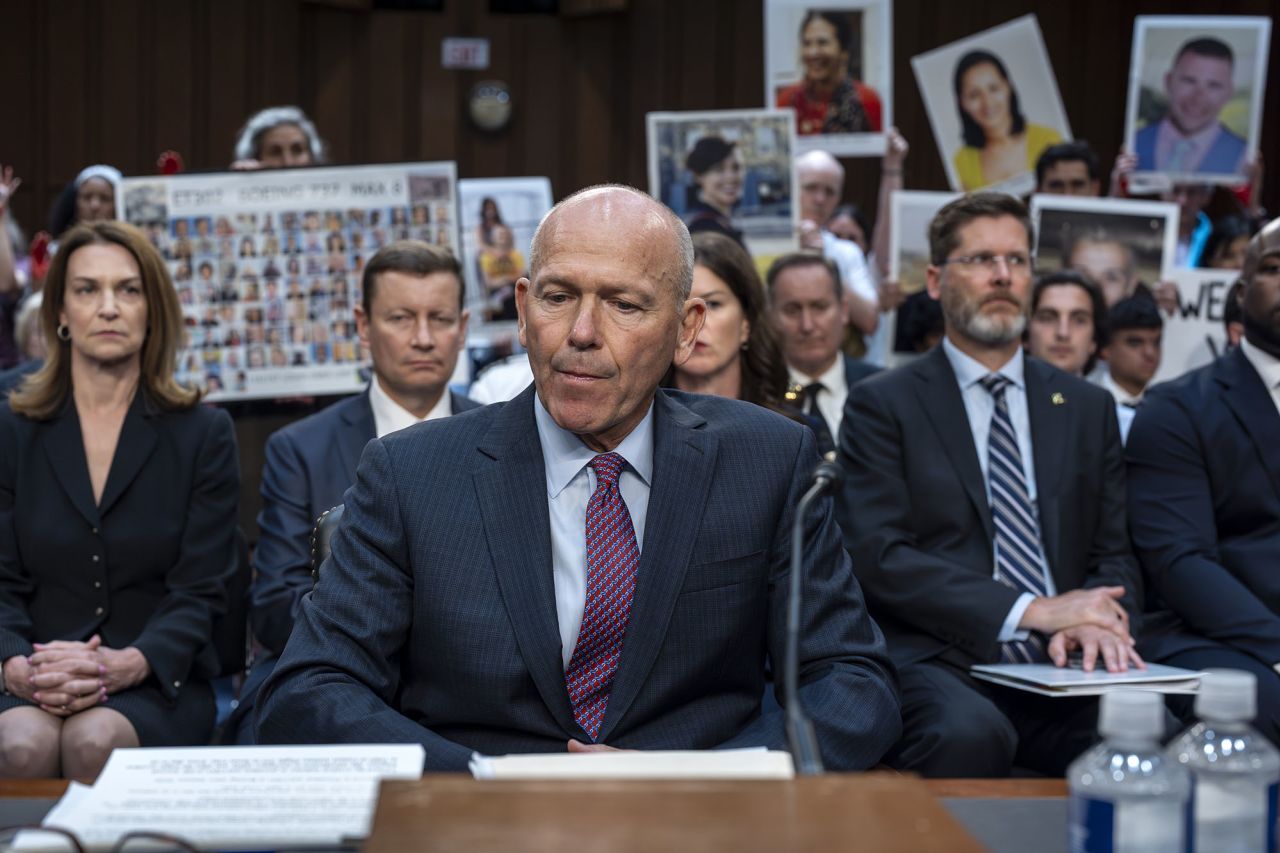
(1227, 695)
(1131, 714)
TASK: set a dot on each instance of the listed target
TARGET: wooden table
(873, 811)
(878, 811)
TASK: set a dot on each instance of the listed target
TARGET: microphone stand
(804, 744)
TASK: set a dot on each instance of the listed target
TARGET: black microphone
(804, 744)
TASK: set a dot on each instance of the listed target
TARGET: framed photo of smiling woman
(1194, 110)
(832, 62)
(728, 171)
(994, 106)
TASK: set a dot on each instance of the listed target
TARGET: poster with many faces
(268, 266)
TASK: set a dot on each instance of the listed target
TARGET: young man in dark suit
(598, 563)
(413, 320)
(1204, 499)
(984, 510)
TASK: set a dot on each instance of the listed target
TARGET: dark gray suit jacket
(917, 520)
(436, 620)
(309, 465)
(1204, 505)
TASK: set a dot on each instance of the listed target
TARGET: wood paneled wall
(120, 81)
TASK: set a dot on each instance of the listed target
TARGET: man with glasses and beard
(984, 511)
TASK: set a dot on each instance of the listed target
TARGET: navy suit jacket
(1204, 510)
(1224, 156)
(918, 523)
(309, 465)
(435, 620)
(148, 564)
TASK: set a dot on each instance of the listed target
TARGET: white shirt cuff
(1009, 630)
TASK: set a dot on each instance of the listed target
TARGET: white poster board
(832, 63)
(1195, 334)
(1121, 244)
(1194, 106)
(268, 264)
(1005, 81)
(745, 188)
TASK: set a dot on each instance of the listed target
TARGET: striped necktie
(1019, 557)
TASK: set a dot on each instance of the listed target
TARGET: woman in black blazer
(117, 521)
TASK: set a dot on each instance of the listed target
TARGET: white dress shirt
(1268, 367)
(855, 274)
(979, 406)
(835, 390)
(389, 416)
(570, 483)
(1126, 403)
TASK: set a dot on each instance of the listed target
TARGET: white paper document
(671, 764)
(236, 798)
(1049, 680)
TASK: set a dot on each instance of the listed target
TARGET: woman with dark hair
(717, 168)
(490, 218)
(849, 223)
(91, 197)
(117, 521)
(999, 143)
(830, 99)
(737, 352)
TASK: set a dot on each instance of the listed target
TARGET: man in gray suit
(595, 564)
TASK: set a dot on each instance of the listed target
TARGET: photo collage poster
(268, 266)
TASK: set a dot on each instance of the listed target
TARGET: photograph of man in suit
(1190, 138)
(598, 563)
(984, 510)
(413, 322)
(1204, 499)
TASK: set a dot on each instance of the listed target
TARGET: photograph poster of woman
(833, 65)
(994, 106)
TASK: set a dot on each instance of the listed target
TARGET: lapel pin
(1057, 399)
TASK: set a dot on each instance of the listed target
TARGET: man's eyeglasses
(52, 838)
(1018, 264)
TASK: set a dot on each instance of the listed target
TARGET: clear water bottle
(1126, 795)
(1235, 769)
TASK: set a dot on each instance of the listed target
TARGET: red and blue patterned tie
(612, 559)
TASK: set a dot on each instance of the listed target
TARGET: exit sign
(464, 53)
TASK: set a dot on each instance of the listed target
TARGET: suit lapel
(684, 458)
(64, 448)
(1252, 405)
(511, 487)
(939, 395)
(137, 440)
(357, 431)
(1049, 430)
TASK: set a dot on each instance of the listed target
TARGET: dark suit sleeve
(848, 686)
(960, 604)
(282, 560)
(339, 675)
(196, 584)
(1111, 560)
(16, 586)
(1171, 518)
